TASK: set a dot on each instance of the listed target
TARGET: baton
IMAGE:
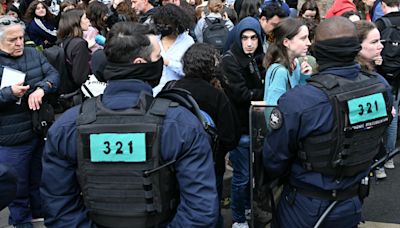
(326, 212)
(377, 163)
(385, 158)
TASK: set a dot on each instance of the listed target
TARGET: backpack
(390, 37)
(57, 57)
(215, 33)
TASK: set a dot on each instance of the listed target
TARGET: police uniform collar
(122, 94)
(349, 72)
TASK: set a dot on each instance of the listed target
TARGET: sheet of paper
(11, 77)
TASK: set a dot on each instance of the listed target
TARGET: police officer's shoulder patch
(275, 119)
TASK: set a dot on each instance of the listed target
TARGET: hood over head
(248, 23)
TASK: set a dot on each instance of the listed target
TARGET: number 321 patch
(118, 147)
(366, 108)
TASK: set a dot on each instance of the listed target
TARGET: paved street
(381, 208)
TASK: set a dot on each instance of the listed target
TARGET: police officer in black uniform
(325, 134)
(138, 161)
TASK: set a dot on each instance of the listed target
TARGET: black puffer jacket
(15, 120)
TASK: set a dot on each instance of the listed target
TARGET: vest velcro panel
(349, 147)
(125, 193)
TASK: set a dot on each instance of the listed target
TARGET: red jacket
(339, 7)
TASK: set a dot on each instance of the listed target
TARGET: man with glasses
(26, 77)
(243, 84)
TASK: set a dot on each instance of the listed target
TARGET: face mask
(153, 71)
(149, 72)
(165, 30)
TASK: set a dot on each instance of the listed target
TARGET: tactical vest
(123, 179)
(361, 113)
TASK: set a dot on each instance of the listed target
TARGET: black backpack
(56, 56)
(215, 33)
(390, 37)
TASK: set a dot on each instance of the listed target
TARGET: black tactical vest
(123, 179)
(361, 113)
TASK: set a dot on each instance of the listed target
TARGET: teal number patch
(366, 108)
(115, 147)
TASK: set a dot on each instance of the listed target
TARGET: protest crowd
(127, 113)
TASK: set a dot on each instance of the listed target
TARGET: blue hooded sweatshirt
(247, 23)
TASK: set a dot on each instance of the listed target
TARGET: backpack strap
(64, 46)
(185, 99)
(325, 82)
(160, 106)
(386, 21)
(229, 53)
(208, 21)
(289, 86)
(169, 85)
(87, 111)
(92, 107)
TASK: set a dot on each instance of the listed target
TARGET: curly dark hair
(30, 12)
(201, 61)
(173, 16)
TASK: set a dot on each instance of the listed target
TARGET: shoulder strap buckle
(326, 80)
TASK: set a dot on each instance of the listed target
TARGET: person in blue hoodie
(243, 84)
(315, 143)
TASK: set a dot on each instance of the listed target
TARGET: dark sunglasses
(9, 22)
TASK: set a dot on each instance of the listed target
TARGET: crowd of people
(134, 156)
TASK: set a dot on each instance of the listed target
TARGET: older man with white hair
(26, 77)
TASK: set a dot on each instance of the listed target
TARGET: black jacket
(243, 78)
(78, 56)
(394, 18)
(16, 120)
(217, 105)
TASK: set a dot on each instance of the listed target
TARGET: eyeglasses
(10, 21)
